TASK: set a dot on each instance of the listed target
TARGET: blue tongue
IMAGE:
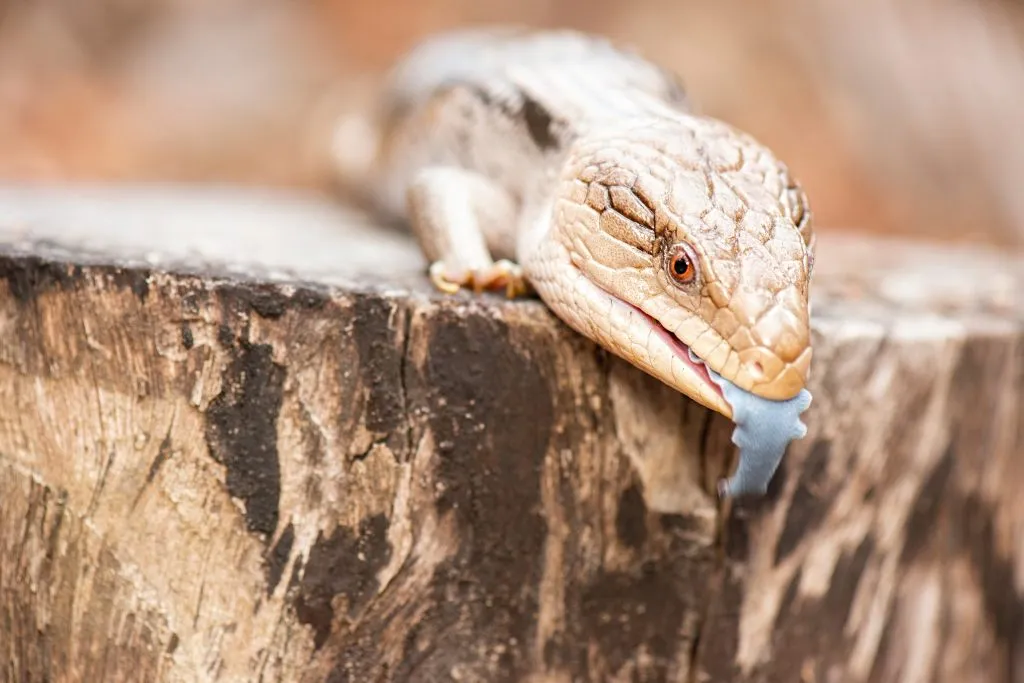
(764, 429)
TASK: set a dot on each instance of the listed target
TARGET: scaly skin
(628, 194)
(582, 164)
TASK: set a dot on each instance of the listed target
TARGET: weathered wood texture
(240, 474)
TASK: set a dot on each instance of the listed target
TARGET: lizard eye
(681, 263)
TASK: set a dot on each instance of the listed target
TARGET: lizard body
(559, 162)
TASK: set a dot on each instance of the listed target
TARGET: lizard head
(692, 248)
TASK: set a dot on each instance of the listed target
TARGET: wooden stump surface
(242, 440)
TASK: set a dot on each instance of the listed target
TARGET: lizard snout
(765, 374)
(775, 362)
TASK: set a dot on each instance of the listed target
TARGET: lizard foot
(503, 274)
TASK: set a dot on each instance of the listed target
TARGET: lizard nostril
(760, 366)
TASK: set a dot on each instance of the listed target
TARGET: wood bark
(290, 460)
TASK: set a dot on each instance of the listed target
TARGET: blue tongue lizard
(764, 429)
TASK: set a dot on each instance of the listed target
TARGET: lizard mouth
(684, 352)
(684, 370)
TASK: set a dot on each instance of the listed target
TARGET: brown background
(898, 117)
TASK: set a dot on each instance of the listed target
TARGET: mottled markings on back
(538, 120)
(675, 89)
(539, 123)
(482, 94)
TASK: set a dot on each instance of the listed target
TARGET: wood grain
(277, 461)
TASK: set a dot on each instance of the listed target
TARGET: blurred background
(899, 117)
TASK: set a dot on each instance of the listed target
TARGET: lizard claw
(442, 280)
(501, 274)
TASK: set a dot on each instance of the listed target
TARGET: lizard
(561, 165)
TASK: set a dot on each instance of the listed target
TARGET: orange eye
(682, 264)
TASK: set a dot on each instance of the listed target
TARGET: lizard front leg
(458, 217)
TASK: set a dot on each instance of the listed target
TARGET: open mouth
(679, 348)
(685, 354)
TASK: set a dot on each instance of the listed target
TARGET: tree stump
(241, 439)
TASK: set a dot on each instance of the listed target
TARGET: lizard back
(506, 103)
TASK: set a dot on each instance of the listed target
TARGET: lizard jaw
(662, 354)
(591, 309)
(683, 351)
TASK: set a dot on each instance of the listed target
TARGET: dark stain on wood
(622, 612)
(808, 505)
(843, 585)
(271, 302)
(773, 494)
(379, 345)
(277, 557)
(736, 535)
(29, 276)
(553, 649)
(162, 454)
(225, 335)
(241, 432)
(491, 412)
(947, 520)
(135, 279)
(912, 404)
(788, 604)
(187, 340)
(314, 448)
(980, 383)
(497, 440)
(631, 520)
(816, 626)
(342, 564)
(359, 660)
(983, 384)
(719, 635)
(927, 508)
(975, 529)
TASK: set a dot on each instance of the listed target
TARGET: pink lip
(681, 349)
